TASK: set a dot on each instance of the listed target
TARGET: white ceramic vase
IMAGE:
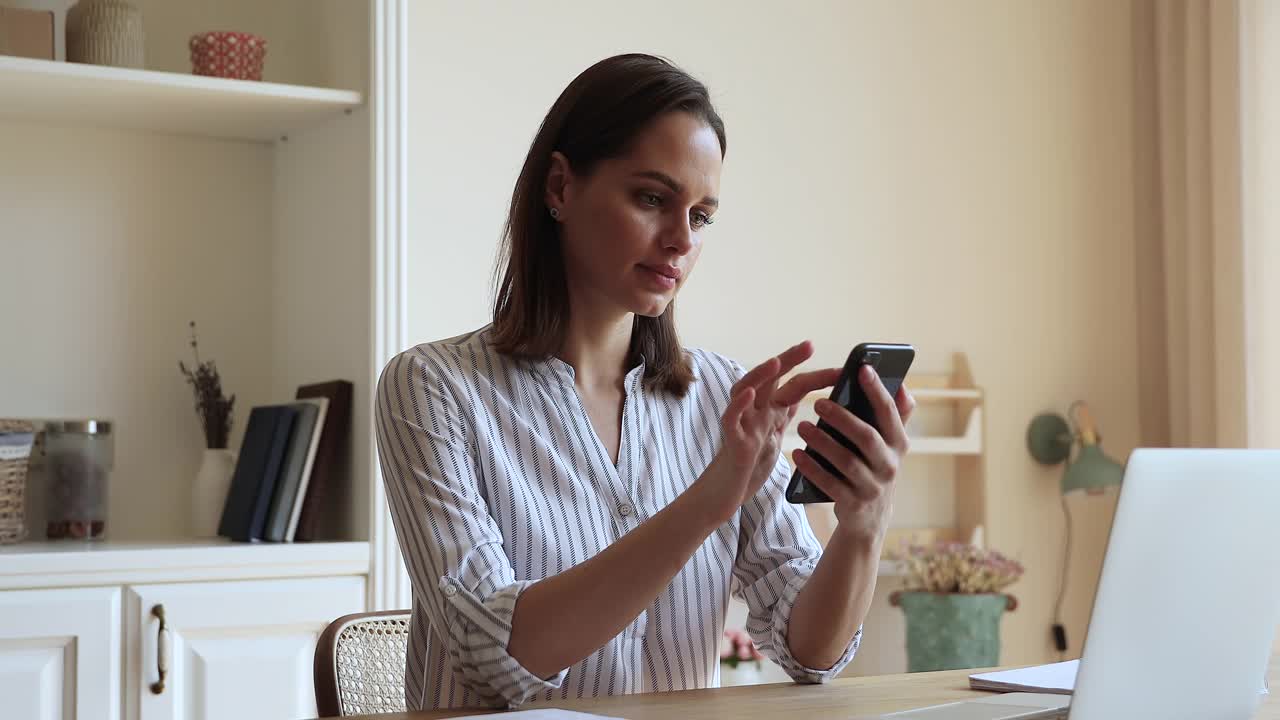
(209, 493)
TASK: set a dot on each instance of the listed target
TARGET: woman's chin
(651, 307)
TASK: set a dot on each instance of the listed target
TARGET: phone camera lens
(873, 359)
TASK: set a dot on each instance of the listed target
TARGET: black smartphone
(891, 362)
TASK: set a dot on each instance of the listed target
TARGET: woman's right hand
(753, 425)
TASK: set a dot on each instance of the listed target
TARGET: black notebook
(297, 463)
(262, 453)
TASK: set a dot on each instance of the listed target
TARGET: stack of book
(289, 461)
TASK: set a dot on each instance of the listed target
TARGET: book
(28, 33)
(295, 502)
(253, 483)
(329, 468)
(297, 461)
(1055, 678)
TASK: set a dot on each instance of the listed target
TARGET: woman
(575, 494)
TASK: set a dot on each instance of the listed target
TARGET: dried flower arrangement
(212, 407)
(952, 567)
(739, 649)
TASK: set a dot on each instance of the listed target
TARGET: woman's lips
(663, 277)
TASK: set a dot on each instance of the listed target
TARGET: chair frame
(325, 667)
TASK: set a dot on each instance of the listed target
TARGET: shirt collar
(564, 371)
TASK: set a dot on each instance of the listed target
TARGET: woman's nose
(678, 236)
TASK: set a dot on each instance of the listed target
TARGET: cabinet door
(238, 650)
(60, 654)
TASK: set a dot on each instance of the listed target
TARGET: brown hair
(595, 118)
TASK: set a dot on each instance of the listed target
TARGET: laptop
(1188, 602)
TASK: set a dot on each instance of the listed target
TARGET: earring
(555, 213)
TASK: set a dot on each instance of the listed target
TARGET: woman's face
(632, 230)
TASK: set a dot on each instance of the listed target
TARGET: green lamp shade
(1092, 470)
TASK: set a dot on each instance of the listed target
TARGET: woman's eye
(700, 219)
(651, 199)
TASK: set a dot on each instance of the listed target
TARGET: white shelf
(94, 95)
(970, 443)
(890, 568)
(943, 394)
(945, 446)
(79, 563)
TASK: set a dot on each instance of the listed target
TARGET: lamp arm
(1086, 429)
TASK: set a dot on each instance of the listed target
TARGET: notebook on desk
(1056, 678)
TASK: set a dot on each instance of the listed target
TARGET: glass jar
(79, 455)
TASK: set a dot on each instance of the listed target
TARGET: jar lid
(88, 427)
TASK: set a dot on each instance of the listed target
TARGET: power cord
(1059, 629)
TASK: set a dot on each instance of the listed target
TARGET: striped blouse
(496, 479)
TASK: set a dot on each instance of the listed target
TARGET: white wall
(956, 175)
(112, 242)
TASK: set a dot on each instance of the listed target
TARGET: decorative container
(235, 55)
(209, 493)
(79, 455)
(952, 631)
(106, 32)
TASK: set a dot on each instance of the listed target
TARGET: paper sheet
(544, 714)
(1057, 678)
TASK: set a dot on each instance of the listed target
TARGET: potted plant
(740, 662)
(953, 602)
(213, 480)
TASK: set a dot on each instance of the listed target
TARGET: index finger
(801, 385)
(793, 356)
(788, 360)
(755, 376)
(773, 367)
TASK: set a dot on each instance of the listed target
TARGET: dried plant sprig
(951, 567)
(212, 407)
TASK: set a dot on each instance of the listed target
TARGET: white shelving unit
(272, 212)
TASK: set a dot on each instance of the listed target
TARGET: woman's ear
(559, 184)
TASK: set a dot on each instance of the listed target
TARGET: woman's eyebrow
(674, 186)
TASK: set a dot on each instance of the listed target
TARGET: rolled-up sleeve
(777, 553)
(452, 547)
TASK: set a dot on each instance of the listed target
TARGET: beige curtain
(1191, 247)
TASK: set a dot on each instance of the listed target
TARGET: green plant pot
(952, 631)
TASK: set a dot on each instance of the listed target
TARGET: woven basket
(14, 459)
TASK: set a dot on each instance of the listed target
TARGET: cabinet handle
(162, 649)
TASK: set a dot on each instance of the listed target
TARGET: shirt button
(625, 510)
(450, 590)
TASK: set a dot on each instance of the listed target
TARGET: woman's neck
(597, 345)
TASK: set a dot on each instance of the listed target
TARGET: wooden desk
(842, 699)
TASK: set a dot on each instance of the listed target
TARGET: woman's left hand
(864, 496)
(776, 405)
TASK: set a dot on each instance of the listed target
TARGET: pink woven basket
(234, 55)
